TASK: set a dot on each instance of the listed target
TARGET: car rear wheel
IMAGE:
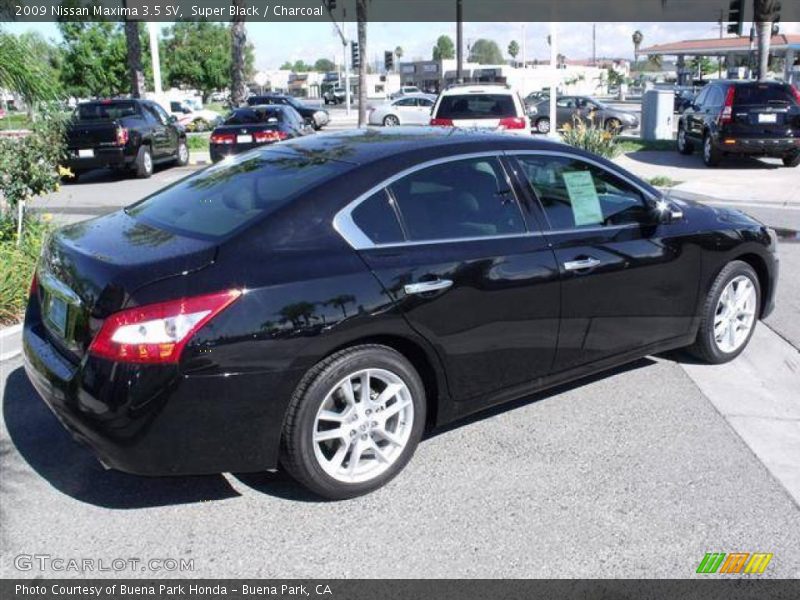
(543, 125)
(684, 145)
(613, 125)
(711, 156)
(391, 121)
(792, 159)
(144, 163)
(729, 314)
(354, 422)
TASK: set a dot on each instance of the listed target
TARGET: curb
(10, 342)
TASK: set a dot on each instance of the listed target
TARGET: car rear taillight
(264, 137)
(726, 116)
(157, 333)
(122, 136)
(513, 123)
(795, 93)
(442, 122)
(223, 138)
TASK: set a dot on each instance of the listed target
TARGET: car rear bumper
(758, 146)
(103, 157)
(154, 420)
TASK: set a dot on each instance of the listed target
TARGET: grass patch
(663, 181)
(15, 120)
(629, 145)
(198, 142)
(17, 264)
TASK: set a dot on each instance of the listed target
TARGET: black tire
(792, 159)
(705, 347)
(711, 154)
(543, 125)
(682, 142)
(182, 159)
(297, 446)
(613, 125)
(143, 167)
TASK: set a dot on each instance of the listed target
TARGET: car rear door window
(476, 106)
(377, 219)
(575, 194)
(467, 198)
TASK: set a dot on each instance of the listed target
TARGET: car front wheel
(792, 159)
(391, 121)
(543, 125)
(354, 422)
(729, 314)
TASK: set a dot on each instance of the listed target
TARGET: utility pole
(553, 133)
(329, 6)
(459, 42)
(524, 45)
(152, 29)
(594, 44)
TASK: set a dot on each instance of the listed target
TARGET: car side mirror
(667, 212)
(172, 119)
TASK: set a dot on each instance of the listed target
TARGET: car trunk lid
(90, 270)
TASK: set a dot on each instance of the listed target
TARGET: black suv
(743, 118)
(313, 116)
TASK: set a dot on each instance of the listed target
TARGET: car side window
(467, 198)
(406, 102)
(376, 217)
(161, 114)
(149, 115)
(700, 100)
(566, 103)
(714, 98)
(425, 102)
(575, 194)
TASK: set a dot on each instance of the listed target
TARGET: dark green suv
(754, 118)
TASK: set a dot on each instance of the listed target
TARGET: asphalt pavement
(634, 473)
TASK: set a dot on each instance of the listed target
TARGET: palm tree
(513, 50)
(238, 46)
(135, 69)
(765, 12)
(361, 17)
(638, 38)
(22, 72)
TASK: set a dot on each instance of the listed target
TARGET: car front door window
(575, 194)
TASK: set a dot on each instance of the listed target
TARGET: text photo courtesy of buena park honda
(368, 298)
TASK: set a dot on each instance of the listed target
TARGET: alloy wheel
(681, 139)
(363, 425)
(148, 162)
(735, 314)
(391, 121)
(543, 125)
(183, 153)
(707, 149)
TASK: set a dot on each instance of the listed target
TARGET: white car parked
(406, 110)
(482, 106)
(192, 118)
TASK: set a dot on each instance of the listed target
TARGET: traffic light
(388, 60)
(355, 54)
(736, 17)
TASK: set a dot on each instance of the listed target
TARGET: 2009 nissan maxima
(319, 303)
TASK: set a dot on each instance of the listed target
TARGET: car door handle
(423, 287)
(579, 265)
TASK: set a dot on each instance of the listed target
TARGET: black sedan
(319, 303)
(315, 117)
(254, 126)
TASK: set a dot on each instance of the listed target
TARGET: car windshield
(224, 198)
(106, 110)
(259, 114)
(763, 93)
(476, 106)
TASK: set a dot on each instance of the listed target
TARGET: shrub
(17, 263)
(587, 136)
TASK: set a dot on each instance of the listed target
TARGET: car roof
(365, 146)
(477, 88)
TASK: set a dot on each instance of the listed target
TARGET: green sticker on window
(583, 197)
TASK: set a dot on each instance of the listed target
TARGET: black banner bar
(379, 10)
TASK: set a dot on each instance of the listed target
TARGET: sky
(275, 43)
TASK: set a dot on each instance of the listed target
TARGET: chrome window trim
(345, 226)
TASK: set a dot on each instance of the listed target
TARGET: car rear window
(243, 116)
(477, 106)
(106, 110)
(219, 200)
(763, 93)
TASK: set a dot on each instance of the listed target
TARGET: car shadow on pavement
(70, 468)
(695, 161)
(280, 485)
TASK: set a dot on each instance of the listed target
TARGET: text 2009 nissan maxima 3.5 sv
(319, 303)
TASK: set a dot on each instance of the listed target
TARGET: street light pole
(152, 29)
(459, 42)
(553, 133)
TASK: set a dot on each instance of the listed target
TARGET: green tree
(94, 59)
(200, 56)
(486, 52)
(23, 71)
(444, 48)
(513, 49)
(323, 65)
(702, 65)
